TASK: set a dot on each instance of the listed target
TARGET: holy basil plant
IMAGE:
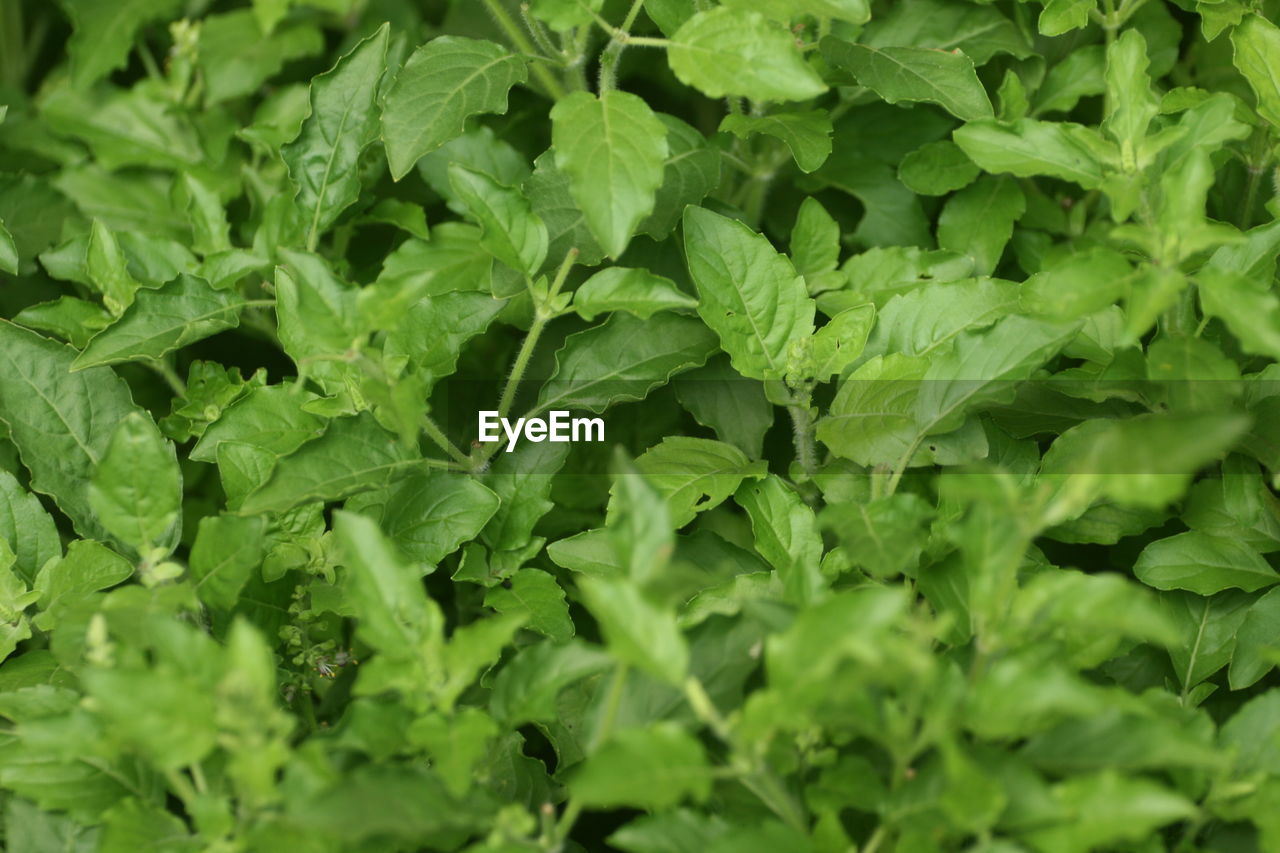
(662, 426)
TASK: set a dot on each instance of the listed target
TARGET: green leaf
(853, 11)
(395, 615)
(28, 530)
(1077, 285)
(270, 417)
(103, 35)
(1063, 16)
(815, 241)
(60, 421)
(945, 78)
(8, 252)
(732, 405)
(160, 321)
(635, 291)
(1203, 563)
(74, 320)
(1257, 647)
(429, 514)
(872, 418)
(236, 59)
(982, 368)
(522, 481)
(136, 487)
(727, 51)
(354, 454)
(750, 294)
(694, 474)
(561, 15)
(636, 630)
(786, 534)
(1027, 148)
(525, 689)
(623, 359)
(613, 148)
(937, 168)
(1251, 312)
(807, 135)
(434, 331)
(535, 594)
(108, 269)
(226, 551)
(1256, 44)
(841, 341)
(511, 230)
(324, 160)
(550, 197)
(1077, 76)
(315, 312)
(980, 31)
(1131, 105)
(1250, 734)
(691, 173)
(978, 221)
(928, 318)
(653, 768)
(639, 524)
(1119, 807)
(1141, 461)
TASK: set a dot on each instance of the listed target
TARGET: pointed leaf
(443, 83)
(941, 77)
(160, 321)
(727, 51)
(324, 160)
(613, 149)
(750, 294)
(624, 359)
(60, 421)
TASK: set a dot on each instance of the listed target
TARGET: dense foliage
(935, 345)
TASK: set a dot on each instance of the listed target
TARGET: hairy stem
(521, 42)
(537, 30)
(802, 435)
(543, 313)
(166, 372)
(437, 436)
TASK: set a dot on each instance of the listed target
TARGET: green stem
(308, 710)
(198, 775)
(608, 79)
(901, 467)
(180, 786)
(1250, 196)
(542, 315)
(170, 376)
(802, 423)
(634, 12)
(612, 702)
(149, 61)
(645, 41)
(522, 43)
(437, 436)
(873, 843)
(523, 357)
(12, 40)
(537, 30)
(769, 789)
(613, 53)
